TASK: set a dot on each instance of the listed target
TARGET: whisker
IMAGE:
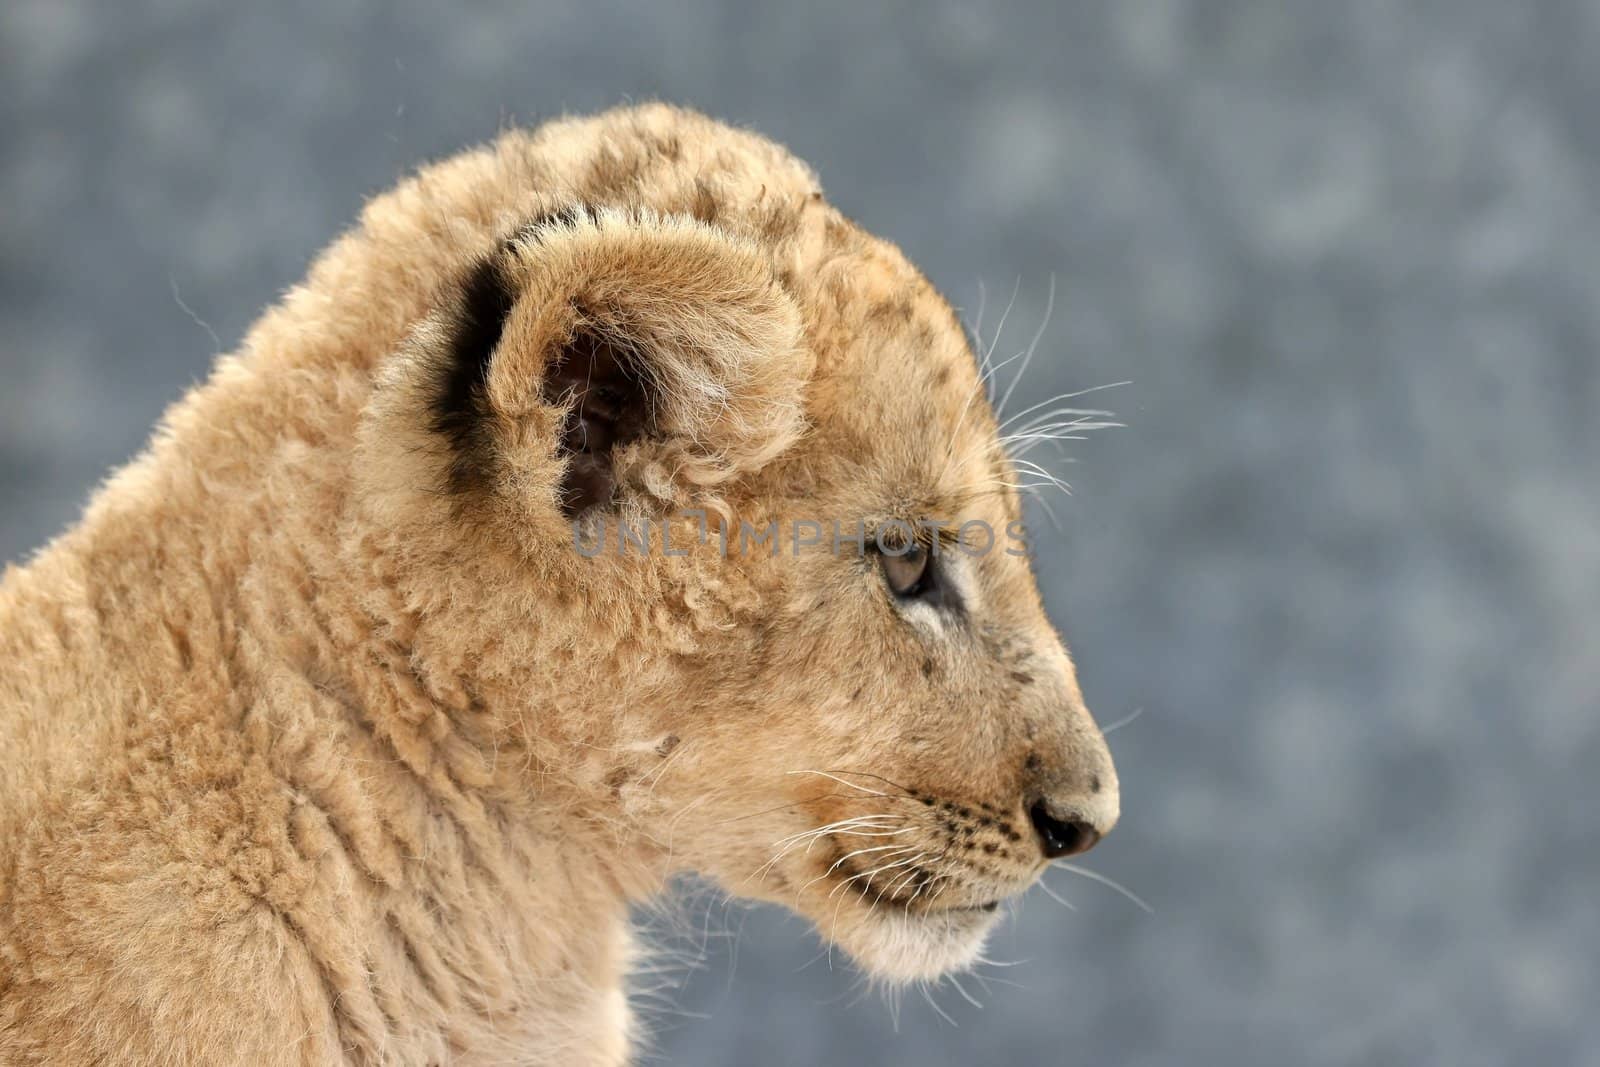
(784, 807)
(893, 889)
(810, 836)
(897, 849)
(978, 385)
(1029, 467)
(987, 962)
(869, 875)
(841, 781)
(965, 995)
(880, 848)
(1065, 415)
(1049, 309)
(1057, 897)
(1095, 876)
(1052, 428)
(869, 774)
(932, 1004)
(845, 827)
(985, 980)
(977, 328)
(1120, 723)
(1033, 438)
(999, 330)
(838, 824)
(1071, 395)
(859, 826)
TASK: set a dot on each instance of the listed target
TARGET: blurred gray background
(1344, 557)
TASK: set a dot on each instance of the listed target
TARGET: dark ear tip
(484, 303)
(484, 298)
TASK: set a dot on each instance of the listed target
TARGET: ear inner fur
(608, 408)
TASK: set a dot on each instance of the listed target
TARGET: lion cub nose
(1075, 804)
(1061, 835)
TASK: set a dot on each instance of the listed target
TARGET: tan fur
(306, 758)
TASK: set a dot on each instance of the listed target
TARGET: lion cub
(606, 505)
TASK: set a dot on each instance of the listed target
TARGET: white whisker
(869, 875)
(1073, 395)
(1049, 309)
(1120, 723)
(965, 995)
(926, 995)
(1095, 876)
(1057, 897)
(978, 385)
(988, 962)
(841, 781)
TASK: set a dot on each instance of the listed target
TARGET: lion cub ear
(598, 352)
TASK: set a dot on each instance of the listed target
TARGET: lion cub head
(698, 484)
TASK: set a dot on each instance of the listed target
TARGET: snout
(1071, 795)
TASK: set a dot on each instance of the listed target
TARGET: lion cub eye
(906, 573)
